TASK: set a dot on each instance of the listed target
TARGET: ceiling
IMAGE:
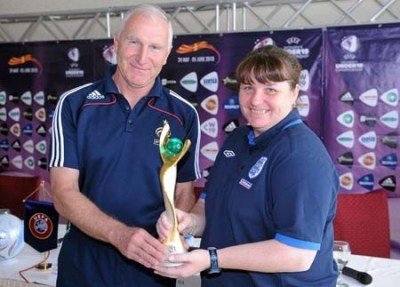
(195, 17)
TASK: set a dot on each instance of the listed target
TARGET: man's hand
(137, 244)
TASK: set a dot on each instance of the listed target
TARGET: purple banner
(362, 114)
(349, 94)
(34, 75)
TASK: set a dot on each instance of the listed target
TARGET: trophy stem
(174, 241)
(171, 151)
(168, 176)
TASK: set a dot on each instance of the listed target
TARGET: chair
(14, 187)
(363, 221)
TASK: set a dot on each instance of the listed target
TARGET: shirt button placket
(129, 122)
(129, 125)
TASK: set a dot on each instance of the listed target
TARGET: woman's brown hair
(269, 64)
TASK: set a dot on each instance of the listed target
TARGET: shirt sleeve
(63, 152)
(302, 195)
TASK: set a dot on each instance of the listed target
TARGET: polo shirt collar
(266, 136)
(156, 90)
(109, 85)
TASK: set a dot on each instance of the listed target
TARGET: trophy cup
(171, 151)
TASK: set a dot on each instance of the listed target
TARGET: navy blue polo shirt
(116, 150)
(280, 185)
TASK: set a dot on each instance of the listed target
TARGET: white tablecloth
(9, 269)
(385, 272)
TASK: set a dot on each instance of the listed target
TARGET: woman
(271, 195)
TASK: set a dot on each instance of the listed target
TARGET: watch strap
(214, 268)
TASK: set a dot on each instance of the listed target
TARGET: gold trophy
(171, 151)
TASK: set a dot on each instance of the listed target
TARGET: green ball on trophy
(174, 146)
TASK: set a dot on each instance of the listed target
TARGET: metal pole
(108, 25)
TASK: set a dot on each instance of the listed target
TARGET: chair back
(363, 221)
(14, 188)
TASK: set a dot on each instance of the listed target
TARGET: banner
(34, 76)
(361, 105)
(348, 94)
(40, 225)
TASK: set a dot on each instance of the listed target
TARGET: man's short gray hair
(151, 11)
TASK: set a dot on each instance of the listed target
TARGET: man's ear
(166, 58)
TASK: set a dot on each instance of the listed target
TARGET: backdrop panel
(349, 93)
(362, 113)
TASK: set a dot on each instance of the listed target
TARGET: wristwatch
(214, 268)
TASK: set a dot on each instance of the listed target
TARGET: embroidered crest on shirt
(257, 167)
(158, 131)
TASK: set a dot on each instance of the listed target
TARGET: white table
(385, 272)
(9, 269)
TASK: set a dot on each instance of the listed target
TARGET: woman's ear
(296, 92)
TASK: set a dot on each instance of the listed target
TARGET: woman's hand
(185, 220)
(192, 263)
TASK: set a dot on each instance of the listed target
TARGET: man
(105, 161)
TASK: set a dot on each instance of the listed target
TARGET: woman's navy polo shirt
(115, 148)
(280, 185)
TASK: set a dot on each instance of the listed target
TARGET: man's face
(142, 50)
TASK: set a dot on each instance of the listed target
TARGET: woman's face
(266, 104)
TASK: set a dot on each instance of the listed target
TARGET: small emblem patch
(257, 167)
(246, 184)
